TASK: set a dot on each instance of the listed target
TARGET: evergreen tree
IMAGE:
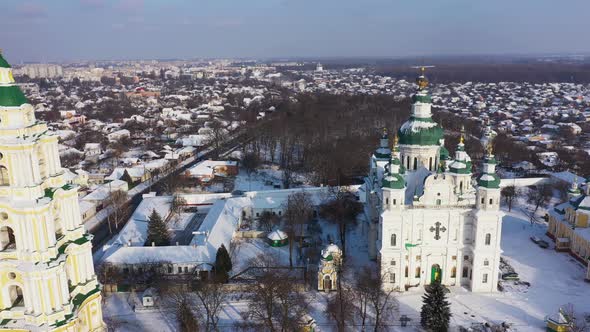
(436, 312)
(222, 264)
(157, 231)
(127, 178)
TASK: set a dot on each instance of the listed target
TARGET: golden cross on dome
(462, 138)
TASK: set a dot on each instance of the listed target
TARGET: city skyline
(41, 31)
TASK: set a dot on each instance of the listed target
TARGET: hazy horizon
(51, 31)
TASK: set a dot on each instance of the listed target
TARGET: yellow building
(47, 280)
(569, 225)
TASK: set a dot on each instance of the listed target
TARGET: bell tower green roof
(3, 62)
(12, 96)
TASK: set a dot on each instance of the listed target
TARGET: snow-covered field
(555, 278)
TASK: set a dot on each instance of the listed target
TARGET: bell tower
(46, 270)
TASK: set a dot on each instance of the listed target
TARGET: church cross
(437, 230)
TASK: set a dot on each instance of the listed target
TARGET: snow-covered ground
(555, 278)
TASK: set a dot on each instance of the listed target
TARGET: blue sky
(56, 30)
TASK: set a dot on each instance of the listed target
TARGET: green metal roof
(490, 160)
(489, 183)
(422, 136)
(3, 62)
(461, 170)
(12, 96)
(417, 98)
(393, 181)
(444, 153)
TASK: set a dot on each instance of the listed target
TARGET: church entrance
(327, 283)
(435, 274)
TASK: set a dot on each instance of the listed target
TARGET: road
(98, 225)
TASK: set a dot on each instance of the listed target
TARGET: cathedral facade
(47, 279)
(430, 218)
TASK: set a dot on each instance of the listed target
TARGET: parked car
(535, 239)
(543, 244)
(510, 276)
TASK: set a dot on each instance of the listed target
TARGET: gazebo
(277, 238)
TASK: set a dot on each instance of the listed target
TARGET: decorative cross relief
(437, 230)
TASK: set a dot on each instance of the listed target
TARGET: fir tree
(222, 264)
(436, 311)
(127, 178)
(157, 231)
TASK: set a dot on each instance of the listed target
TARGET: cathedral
(47, 280)
(430, 218)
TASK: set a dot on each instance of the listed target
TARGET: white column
(45, 289)
(56, 293)
(36, 296)
(28, 296)
(65, 292)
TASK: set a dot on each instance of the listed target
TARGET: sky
(67, 30)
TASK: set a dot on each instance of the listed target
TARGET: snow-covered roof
(277, 235)
(104, 190)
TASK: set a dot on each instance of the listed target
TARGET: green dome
(11, 96)
(3, 62)
(420, 131)
(393, 181)
(420, 98)
(460, 167)
(489, 181)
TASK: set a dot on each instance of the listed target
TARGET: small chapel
(431, 219)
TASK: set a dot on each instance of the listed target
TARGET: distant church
(430, 219)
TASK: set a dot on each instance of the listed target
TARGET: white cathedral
(430, 218)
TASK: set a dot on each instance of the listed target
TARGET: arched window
(406, 272)
(461, 186)
(415, 163)
(7, 239)
(417, 275)
(392, 278)
(393, 240)
(16, 296)
(4, 178)
(430, 164)
(486, 262)
(465, 272)
(488, 239)
(453, 272)
(408, 162)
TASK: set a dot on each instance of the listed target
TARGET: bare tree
(216, 136)
(298, 212)
(250, 162)
(117, 202)
(369, 288)
(267, 220)
(577, 323)
(212, 296)
(342, 211)
(341, 307)
(178, 204)
(182, 304)
(509, 192)
(276, 300)
(539, 195)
